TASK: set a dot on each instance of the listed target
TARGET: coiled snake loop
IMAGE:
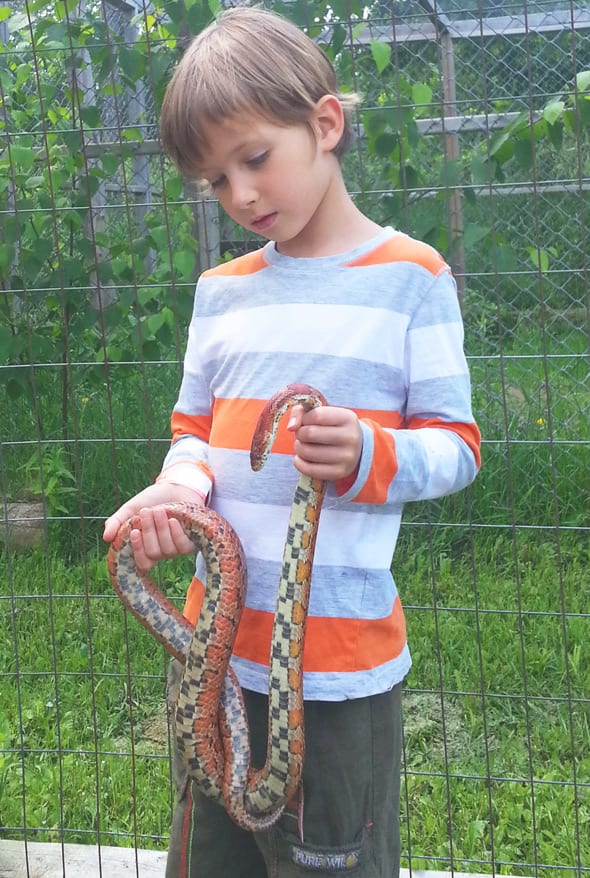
(210, 722)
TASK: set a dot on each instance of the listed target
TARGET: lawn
(496, 588)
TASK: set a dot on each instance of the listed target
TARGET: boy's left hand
(328, 441)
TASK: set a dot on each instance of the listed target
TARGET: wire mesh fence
(472, 135)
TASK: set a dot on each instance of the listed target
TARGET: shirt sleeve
(437, 451)
(187, 460)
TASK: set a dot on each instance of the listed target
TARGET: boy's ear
(328, 122)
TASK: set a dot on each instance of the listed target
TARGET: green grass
(500, 705)
(80, 703)
(496, 711)
(495, 583)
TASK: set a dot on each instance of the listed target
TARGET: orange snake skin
(210, 721)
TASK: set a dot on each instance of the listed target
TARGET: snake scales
(210, 721)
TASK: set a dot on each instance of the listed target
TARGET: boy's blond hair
(248, 60)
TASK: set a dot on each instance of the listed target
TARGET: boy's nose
(243, 194)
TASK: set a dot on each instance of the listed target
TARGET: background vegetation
(96, 282)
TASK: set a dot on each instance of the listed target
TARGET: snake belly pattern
(210, 722)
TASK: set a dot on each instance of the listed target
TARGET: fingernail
(292, 422)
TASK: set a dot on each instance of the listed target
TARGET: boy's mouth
(262, 223)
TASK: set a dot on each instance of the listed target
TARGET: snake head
(268, 421)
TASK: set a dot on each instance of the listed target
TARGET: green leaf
(73, 141)
(114, 354)
(5, 339)
(381, 53)
(22, 156)
(481, 170)
(338, 38)
(155, 321)
(132, 134)
(412, 177)
(12, 229)
(6, 257)
(583, 80)
(506, 258)
(470, 196)
(5, 13)
(375, 121)
(553, 112)
(111, 89)
(35, 182)
(384, 145)
(184, 263)
(64, 6)
(110, 162)
(23, 74)
(539, 258)
(132, 61)
(151, 349)
(160, 237)
(17, 22)
(523, 153)
(148, 294)
(555, 133)
(421, 94)
(159, 66)
(16, 386)
(174, 188)
(584, 110)
(91, 116)
(502, 145)
(473, 234)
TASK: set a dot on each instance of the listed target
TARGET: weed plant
(497, 711)
(495, 585)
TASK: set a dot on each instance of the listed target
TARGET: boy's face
(273, 180)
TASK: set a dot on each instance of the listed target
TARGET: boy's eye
(218, 182)
(257, 160)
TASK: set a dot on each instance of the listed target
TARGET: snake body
(210, 720)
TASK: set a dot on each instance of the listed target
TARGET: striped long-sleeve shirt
(376, 330)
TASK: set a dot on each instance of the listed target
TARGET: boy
(368, 316)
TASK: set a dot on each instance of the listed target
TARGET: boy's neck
(337, 227)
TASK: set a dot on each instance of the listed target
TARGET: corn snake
(210, 721)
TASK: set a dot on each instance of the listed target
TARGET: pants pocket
(299, 858)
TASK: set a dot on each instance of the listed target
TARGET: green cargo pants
(350, 815)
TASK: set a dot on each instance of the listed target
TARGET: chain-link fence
(472, 135)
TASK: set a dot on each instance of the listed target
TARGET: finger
(327, 472)
(327, 468)
(143, 562)
(116, 521)
(296, 418)
(322, 435)
(111, 527)
(327, 416)
(182, 544)
(158, 541)
(316, 452)
(161, 536)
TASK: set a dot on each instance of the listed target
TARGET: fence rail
(474, 135)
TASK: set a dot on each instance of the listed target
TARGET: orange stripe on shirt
(250, 263)
(190, 425)
(331, 645)
(383, 469)
(403, 249)
(469, 433)
(234, 422)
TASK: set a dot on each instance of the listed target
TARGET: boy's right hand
(157, 537)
